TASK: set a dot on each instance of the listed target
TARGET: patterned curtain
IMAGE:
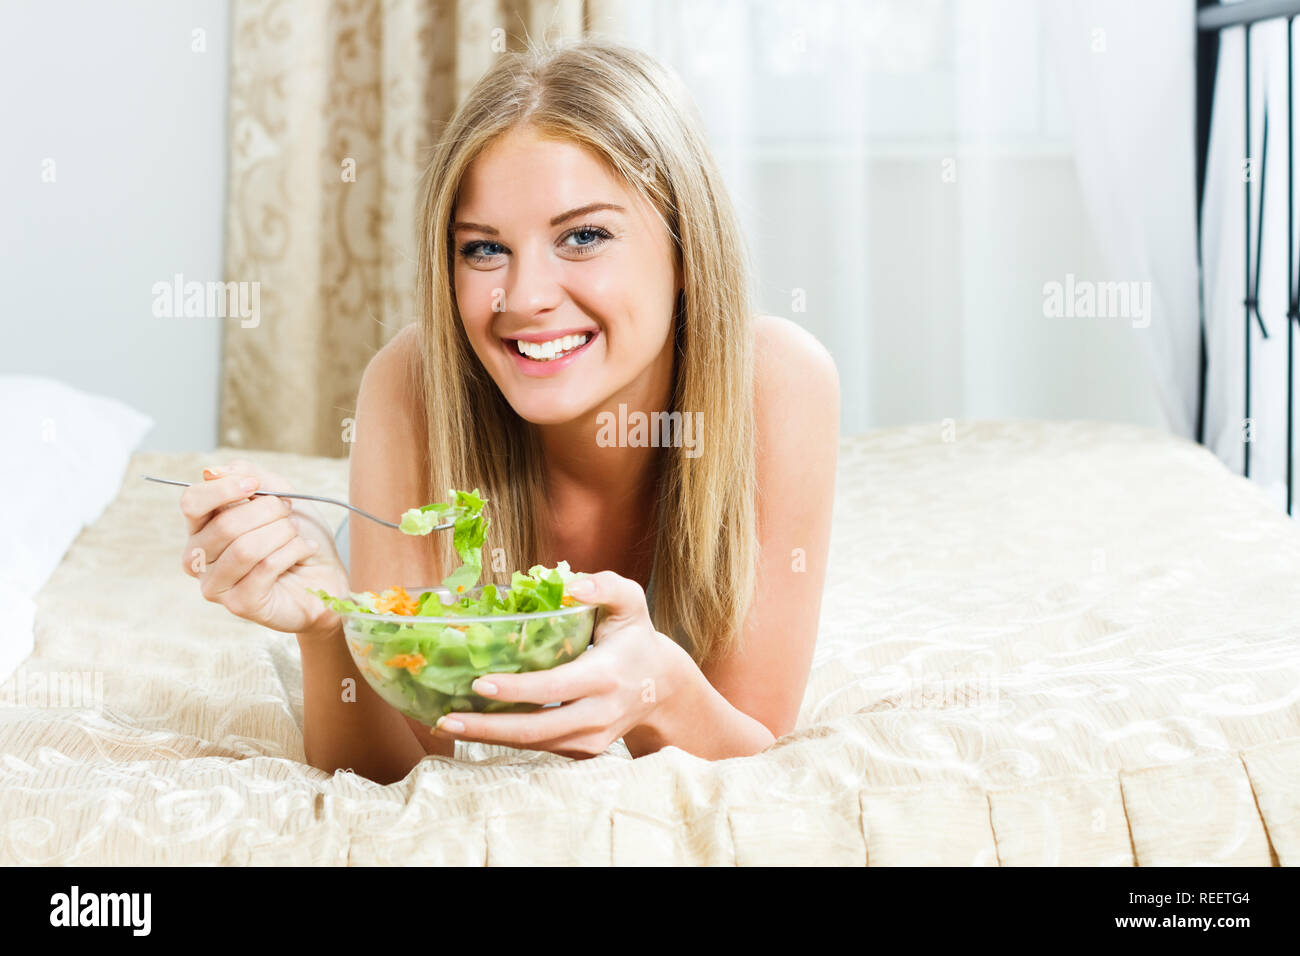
(333, 105)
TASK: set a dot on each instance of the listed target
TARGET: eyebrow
(562, 217)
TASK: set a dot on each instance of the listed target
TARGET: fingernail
(213, 471)
(484, 687)
(247, 484)
(447, 724)
(580, 588)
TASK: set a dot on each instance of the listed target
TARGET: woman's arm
(699, 720)
(740, 704)
(347, 725)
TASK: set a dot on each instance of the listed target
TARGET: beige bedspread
(1041, 643)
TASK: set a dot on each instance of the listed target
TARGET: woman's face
(569, 311)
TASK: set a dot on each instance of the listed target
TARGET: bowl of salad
(421, 650)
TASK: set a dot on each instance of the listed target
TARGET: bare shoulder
(774, 331)
(395, 366)
(389, 406)
(794, 374)
(386, 470)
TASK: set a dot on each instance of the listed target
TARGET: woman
(579, 264)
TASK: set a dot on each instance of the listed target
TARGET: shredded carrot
(568, 648)
(396, 601)
(567, 601)
(412, 662)
(366, 649)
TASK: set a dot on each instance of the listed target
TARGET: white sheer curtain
(905, 172)
(1223, 257)
(1127, 71)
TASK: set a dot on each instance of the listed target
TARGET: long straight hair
(636, 114)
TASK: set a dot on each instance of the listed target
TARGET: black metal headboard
(1211, 19)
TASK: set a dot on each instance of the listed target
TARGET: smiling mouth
(543, 352)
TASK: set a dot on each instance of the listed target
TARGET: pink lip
(554, 367)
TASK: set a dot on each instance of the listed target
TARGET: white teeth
(547, 351)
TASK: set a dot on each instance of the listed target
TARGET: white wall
(135, 121)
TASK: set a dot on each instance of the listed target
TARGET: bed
(1041, 643)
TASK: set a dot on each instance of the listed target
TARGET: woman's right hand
(258, 555)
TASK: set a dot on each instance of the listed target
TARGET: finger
(622, 598)
(532, 731)
(267, 483)
(271, 481)
(242, 468)
(309, 520)
(201, 499)
(242, 554)
(581, 677)
(584, 745)
(230, 523)
(252, 588)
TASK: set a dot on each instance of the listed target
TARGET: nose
(534, 284)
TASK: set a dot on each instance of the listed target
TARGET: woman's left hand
(622, 681)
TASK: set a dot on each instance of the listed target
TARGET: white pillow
(66, 453)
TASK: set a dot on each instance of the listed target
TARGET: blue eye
(600, 236)
(481, 250)
(471, 250)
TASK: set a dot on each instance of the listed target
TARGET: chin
(549, 410)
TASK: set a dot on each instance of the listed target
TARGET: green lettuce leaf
(539, 589)
(420, 521)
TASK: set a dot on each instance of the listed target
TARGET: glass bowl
(423, 666)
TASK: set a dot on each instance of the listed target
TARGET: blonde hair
(636, 114)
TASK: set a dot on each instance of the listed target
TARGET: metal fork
(291, 494)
